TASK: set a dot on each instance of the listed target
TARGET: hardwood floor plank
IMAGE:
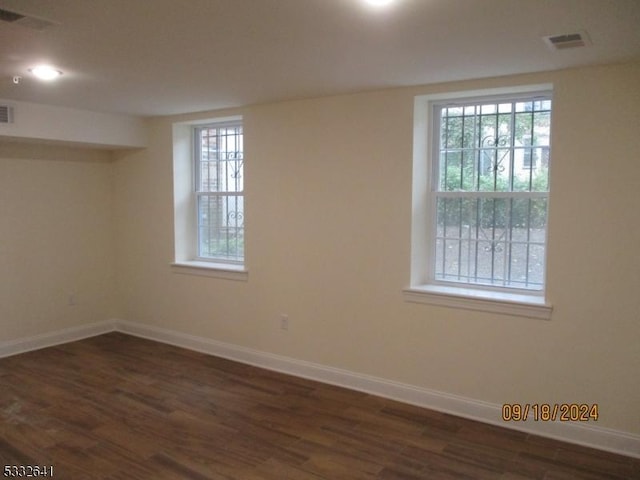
(117, 407)
(11, 453)
(274, 468)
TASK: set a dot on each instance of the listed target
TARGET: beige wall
(56, 238)
(328, 239)
(328, 213)
(328, 230)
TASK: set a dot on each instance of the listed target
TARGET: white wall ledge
(521, 305)
(224, 271)
(70, 126)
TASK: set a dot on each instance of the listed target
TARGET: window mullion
(477, 240)
(532, 147)
(509, 244)
(493, 240)
(493, 194)
(528, 255)
(512, 143)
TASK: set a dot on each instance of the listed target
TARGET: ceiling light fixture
(45, 72)
(379, 3)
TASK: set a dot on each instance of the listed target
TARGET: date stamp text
(550, 412)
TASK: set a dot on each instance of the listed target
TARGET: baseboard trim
(587, 435)
(51, 339)
(582, 434)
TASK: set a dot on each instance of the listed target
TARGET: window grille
(490, 192)
(219, 187)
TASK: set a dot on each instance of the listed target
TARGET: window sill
(210, 269)
(520, 305)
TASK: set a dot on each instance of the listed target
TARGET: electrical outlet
(284, 322)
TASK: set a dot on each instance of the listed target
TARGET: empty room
(320, 239)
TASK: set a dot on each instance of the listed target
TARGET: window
(481, 195)
(219, 184)
(208, 198)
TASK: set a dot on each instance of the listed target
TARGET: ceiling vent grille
(28, 21)
(567, 40)
(6, 114)
(7, 16)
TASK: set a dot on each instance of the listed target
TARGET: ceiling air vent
(28, 21)
(6, 114)
(567, 40)
(7, 16)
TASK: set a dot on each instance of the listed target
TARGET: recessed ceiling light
(45, 72)
(379, 3)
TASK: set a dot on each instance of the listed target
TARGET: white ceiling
(157, 57)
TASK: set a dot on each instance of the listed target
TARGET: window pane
(231, 159)
(451, 165)
(452, 132)
(469, 170)
(495, 147)
(491, 241)
(541, 129)
(470, 126)
(535, 272)
(221, 159)
(221, 227)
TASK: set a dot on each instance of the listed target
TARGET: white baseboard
(50, 339)
(588, 435)
(583, 434)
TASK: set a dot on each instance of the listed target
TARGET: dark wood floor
(119, 407)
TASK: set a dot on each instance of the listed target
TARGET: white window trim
(186, 261)
(224, 271)
(423, 288)
(520, 305)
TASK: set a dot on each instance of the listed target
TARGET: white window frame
(423, 287)
(186, 258)
(214, 192)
